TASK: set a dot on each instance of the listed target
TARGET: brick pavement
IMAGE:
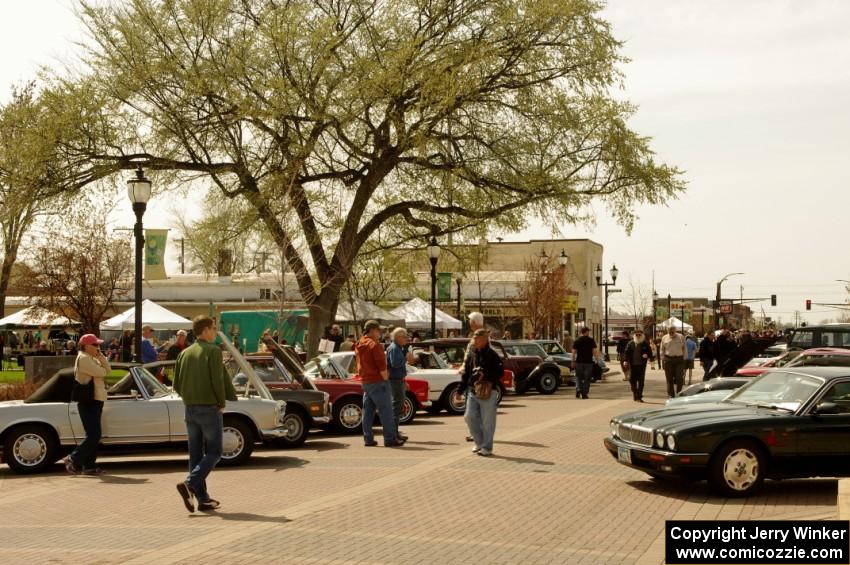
(552, 494)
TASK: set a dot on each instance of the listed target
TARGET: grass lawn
(12, 377)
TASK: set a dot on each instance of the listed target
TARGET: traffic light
(773, 300)
(808, 304)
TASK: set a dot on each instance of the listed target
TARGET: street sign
(725, 308)
(613, 290)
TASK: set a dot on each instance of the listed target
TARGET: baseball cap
(90, 339)
(370, 325)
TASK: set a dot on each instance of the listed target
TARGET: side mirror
(135, 393)
(826, 408)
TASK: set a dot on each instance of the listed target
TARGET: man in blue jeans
(584, 352)
(397, 358)
(482, 364)
(201, 380)
(374, 376)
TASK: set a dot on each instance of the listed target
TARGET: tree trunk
(322, 314)
(9, 258)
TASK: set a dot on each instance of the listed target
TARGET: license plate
(624, 454)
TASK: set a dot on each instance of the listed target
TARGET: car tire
(448, 402)
(237, 442)
(348, 415)
(30, 448)
(297, 426)
(499, 394)
(547, 383)
(737, 468)
(408, 409)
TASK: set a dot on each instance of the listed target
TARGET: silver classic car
(35, 433)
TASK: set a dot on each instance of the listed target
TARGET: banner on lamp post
(155, 241)
(571, 302)
(444, 287)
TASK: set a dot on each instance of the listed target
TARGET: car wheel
(547, 383)
(30, 448)
(297, 428)
(348, 415)
(237, 442)
(499, 395)
(737, 468)
(452, 405)
(408, 409)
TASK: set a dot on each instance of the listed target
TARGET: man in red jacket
(377, 395)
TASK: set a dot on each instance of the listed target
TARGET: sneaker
(470, 438)
(484, 453)
(396, 443)
(403, 437)
(476, 449)
(93, 472)
(188, 496)
(372, 443)
(210, 504)
(69, 466)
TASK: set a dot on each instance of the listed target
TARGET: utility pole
(182, 241)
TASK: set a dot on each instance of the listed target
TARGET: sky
(749, 98)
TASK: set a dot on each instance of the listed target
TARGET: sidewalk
(551, 494)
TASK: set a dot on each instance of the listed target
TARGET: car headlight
(671, 442)
(659, 440)
(613, 429)
(280, 411)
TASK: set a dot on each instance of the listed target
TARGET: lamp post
(433, 255)
(459, 281)
(139, 191)
(654, 314)
(563, 259)
(614, 272)
(717, 300)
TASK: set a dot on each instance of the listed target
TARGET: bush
(17, 391)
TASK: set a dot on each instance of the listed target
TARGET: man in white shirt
(674, 350)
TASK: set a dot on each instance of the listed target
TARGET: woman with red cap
(91, 367)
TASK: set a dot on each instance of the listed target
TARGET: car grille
(635, 434)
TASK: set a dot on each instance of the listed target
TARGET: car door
(824, 439)
(133, 417)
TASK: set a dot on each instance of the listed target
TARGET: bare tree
(638, 302)
(542, 294)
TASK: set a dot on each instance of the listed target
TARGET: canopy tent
(153, 315)
(35, 317)
(417, 315)
(363, 311)
(676, 323)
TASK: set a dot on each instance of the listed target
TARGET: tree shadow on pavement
(241, 517)
(429, 443)
(521, 443)
(524, 460)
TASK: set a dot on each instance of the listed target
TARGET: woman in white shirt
(91, 367)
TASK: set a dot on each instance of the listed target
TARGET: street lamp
(139, 191)
(563, 259)
(543, 258)
(459, 280)
(433, 255)
(614, 272)
(654, 314)
(717, 300)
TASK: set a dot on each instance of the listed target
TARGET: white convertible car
(36, 432)
(442, 379)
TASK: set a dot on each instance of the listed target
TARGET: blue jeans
(584, 374)
(204, 425)
(706, 367)
(86, 453)
(397, 387)
(480, 418)
(378, 397)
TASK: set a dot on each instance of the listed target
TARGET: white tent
(363, 311)
(676, 323)
(417, 315)
(153, 315)
(35, 317)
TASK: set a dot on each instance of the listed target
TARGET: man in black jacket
(636, 355)
(483, 364)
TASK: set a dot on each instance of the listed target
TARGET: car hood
(8, 403)
(701, 398)
(692, 416)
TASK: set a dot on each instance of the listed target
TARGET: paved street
(551, 494)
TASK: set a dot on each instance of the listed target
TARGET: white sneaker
(484, 453)
(476, 449)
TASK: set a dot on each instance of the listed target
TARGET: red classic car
(815, 357)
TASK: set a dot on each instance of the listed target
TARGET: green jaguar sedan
(790, 423)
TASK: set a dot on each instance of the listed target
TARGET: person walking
(482, 373)
(372, 368)
(203, 383)
(90, 369)
(637, 354)
(397, 359)
(673, 349)
(476, 322)
(690, 354)
(706, 354)
(126, 347)
(622, 343)
(585, 351)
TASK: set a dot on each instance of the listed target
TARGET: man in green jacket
(202, 382)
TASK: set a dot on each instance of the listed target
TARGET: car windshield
(127, 384)
(786, 358)
(323, 367)
(780, 390)
(553, 348)
(820, 360)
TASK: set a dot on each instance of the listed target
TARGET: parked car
(527, 371)
(713, 390)
(346, 393)
(139, 410)
(788, 423)
(532, 348)
(826, 335)
(818, 356)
